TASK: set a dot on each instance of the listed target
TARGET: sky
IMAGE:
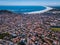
(30, 2)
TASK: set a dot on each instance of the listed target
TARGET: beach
(42, 11)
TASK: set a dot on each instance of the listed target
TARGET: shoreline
(42, 11)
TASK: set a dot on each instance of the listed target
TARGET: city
(29, 29)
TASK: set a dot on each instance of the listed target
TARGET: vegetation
(55, 29)
(3, 35)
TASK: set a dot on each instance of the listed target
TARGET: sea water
(22, 9)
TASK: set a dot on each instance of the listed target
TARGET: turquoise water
(22, 9)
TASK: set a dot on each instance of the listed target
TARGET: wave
(41, 11)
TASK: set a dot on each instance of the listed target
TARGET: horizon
(29, 2)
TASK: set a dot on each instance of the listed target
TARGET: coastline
(42, 11)
(17, 27)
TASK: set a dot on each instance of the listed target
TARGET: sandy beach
(42, 11)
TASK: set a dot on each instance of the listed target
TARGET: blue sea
(22, 9)
(56, 7)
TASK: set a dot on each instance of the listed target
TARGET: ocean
(56, 7)
(22, 9)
